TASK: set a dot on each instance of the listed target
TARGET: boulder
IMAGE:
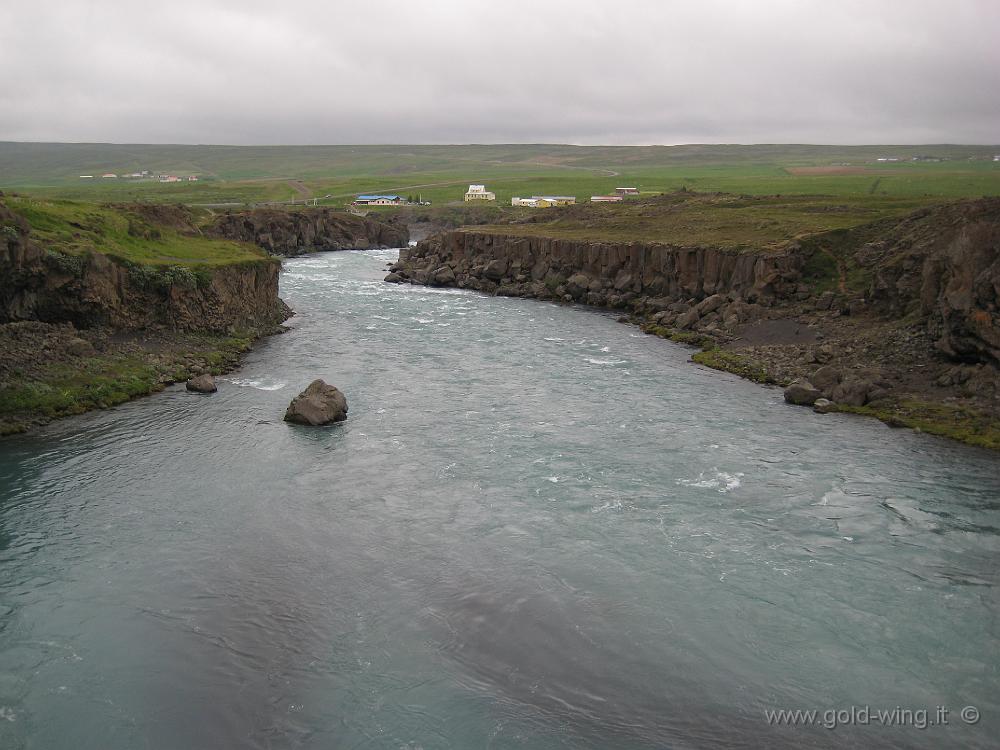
(826, 378)
(824, 353)
(623, 280)
(687, 319)
(203, 383)
(802, 393)
(444, 275)
(658, 304)
(824, 406)
(318, 404)
(578, 284)
(877, 393)
(496, 269)
(711, 304)
(853, 391)
(394, 278)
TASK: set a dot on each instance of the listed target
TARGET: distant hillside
(46, 163)
(334, 174)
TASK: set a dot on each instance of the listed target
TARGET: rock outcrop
(95, 289)
(308, 230)
(318, 404)
(943, 264)
(637, 275)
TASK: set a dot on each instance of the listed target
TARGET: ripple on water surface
(538, 528)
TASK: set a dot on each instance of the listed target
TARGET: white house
(627, 190)
(479, 193)
(606, 199)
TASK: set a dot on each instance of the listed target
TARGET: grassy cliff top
(700, 219)
(170, 239)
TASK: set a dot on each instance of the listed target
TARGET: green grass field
(246, 174)
(74, 228)
(700, 219)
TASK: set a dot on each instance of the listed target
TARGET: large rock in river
(204, 383)
(318, 404)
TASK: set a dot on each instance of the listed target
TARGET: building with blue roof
(378, 200)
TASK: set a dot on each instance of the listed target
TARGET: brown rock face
(601, 273)
(943, 264)
(96, 289)
(309, 230)
(318, 404)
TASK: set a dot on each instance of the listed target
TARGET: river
(538, 528)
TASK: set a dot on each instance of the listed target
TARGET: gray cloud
(391, 71)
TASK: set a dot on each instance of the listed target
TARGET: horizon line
(496, 143)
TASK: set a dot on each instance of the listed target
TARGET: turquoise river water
(538, 528)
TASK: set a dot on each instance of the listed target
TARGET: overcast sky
(437, 71)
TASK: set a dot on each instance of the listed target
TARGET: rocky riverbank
(897, 317)
(54, 370)
(309, 230)
(92, 313)
(100, 303)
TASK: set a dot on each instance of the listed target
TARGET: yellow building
(544, 201)
(558, 200)
(530, 202)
